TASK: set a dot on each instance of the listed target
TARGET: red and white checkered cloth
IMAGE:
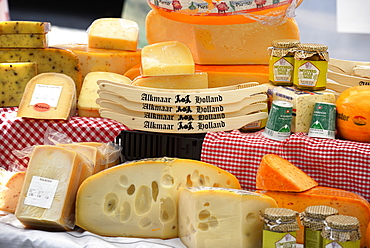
(331, 162)
(17, 133)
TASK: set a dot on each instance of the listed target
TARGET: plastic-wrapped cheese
(139, 199)
(24, 27)
(211, 216)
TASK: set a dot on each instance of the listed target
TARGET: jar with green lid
(280, 226)
(281, 62)
(313, 220)
(311, 66)
(341, 231)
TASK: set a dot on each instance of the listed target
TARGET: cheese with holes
(139, 199)
(166, 58)
(47, 59)
(13, 80)
(47, 199)
(86, 105)
(23, 41)
(191, 81)
(346, 202)
(10, 191)
(113, 33)
(48, 96)
(303, 103)
(211, 216)
(221, 44)
(24, 27)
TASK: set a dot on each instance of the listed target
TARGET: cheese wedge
(278, 174)
(346, 202)
(191, 81)
(86, 105)
(166, 58)
(10, 191)
(24, 27)
(211, 216)
(14, 78)
(49, 191)
(48, 96)
(139, 199)
(113, 33)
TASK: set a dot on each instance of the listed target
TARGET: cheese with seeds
(23, 41)
(24, 27)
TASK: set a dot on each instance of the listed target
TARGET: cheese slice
(190, 81)
(210, 216)
(166, 58)
(221, 44)
(24, 27)
(10, 191)
(23, 41)
(139, 199)
(86, 105)
(346, 202)
(14, 78)
(113, 33)
(47, 199)
(49, 96)
(278, 174)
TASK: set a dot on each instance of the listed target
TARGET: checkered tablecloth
(17, 133)
(333, 163)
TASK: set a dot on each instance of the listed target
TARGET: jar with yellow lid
(341, 231)
(280, 227)
(313, 220)
(281, 62)
(311, 66)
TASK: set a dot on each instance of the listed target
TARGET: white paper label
(41, 192)
(48, 94)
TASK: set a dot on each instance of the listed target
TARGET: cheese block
(24, 27)
(139, 199)
(48, 59)
(103, 60)
(111, 153)
(49, 96)
(10, 191)
(113, 33)
(346, 202)
(23, 41)
(278, 174)
(86, 105)
(166, 58)
(210, 216)
(190, 81)
(47, 199)
(14, 78)
(221, 44)
(303, 103)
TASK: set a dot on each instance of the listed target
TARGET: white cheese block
(139, 199)
(219, 217)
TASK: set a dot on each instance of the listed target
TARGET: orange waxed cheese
(368, 235)
(346, 202)
(278, 174)
(10, 194)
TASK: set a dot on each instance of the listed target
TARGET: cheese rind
(211, 216)
(23, 41)
(139, 199)
(10, 191)
(24, 27)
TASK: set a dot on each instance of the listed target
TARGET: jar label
(310, 73)
(281, 70)
(312, 238)
(337, 244)
(278, 126)
(323, 121)
(279, 240)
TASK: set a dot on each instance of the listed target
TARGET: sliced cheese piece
(49, 96)
(346, 202)
(48, 59)
(277, 173)
(24, 27)
(13, 80)
(190, 81)
(210, 216)
(221, 44)
(47, 199)
(303, 103)
(113, 33)
(103, 60)
(23, 41)
(10, 191)
(86, 105)
(139, 199)
(166, 58)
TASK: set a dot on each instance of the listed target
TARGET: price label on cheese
(48, 94)
(41, 192)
